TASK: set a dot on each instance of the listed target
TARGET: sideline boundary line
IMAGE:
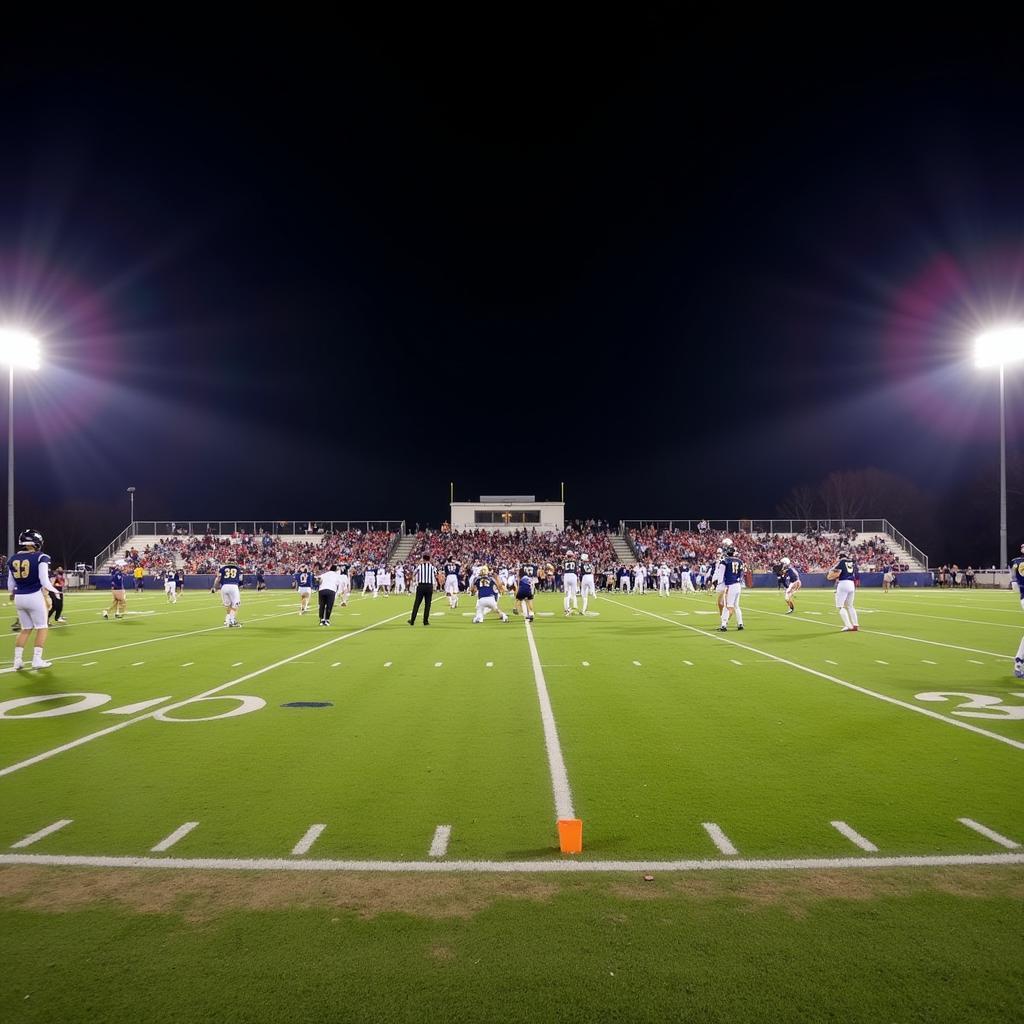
(10, 769)
(514, 866)
(556, 763)
(834, 679)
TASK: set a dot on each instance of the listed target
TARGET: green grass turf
(769, 752)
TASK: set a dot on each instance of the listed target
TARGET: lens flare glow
(999, 346)
(18, 348)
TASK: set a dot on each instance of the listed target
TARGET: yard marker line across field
(523, 867)
(878, 661)
(136, 664)
(236, 664)
(151, 640)
(974, 662)
(556, 763)
(735, 662)
(855, 837)
(839, 682)
(720, 839)
(312, 834)
(187, 663)
(439, 845)
(925, 661)
(179, 833)
(989, 833)
(86, 664)
(878, 632)
(41, 834)
(206, 693)
(829, 661)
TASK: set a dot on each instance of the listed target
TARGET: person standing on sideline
(139, 575)
(399, 579)
(28, 576)
(57, 596)
(426, 577)
(330, 584)
(117, 591)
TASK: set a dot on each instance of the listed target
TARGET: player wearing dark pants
(57, 598)
(426, 577)
(326, 600)
(330, 583)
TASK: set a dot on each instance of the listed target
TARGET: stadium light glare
(999, 346)
(21, 349)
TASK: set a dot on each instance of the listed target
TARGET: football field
(165, 741)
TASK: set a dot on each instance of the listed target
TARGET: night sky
(322, 274)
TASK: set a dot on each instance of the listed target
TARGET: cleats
(846, 629)
(504, 618)
(105, 615)
(41, 664)
(740, 626)
(791, 610)
(19, 666)
(856, 629)
(723, 629)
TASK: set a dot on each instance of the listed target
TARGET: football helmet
(785, 562)
(33, 537)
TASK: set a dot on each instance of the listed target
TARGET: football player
(587, 587)
(451, 582)
(117, 591)
(228, 580)
(344, 583)
(732, 578)
(639, 579)
(570, 582)
(170, 586)
(844, 573)
(1017, 580)
(370, 581)
(792, 580)
(28, 581)
(303, 583)
(384, 580)
(399, 579)
(663, 575)
(716, 577)
(486, 588)
(524, 595)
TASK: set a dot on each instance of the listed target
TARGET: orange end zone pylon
(570, 835)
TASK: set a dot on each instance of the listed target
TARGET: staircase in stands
(403, 549)
(624, 553)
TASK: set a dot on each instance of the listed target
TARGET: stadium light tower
(17, 348)
(997, 347)
(131, 498)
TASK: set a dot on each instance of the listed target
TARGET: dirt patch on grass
(199, 896)
(202, 895)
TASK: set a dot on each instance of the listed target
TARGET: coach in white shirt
(330, 584)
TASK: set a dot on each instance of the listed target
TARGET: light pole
(997, 347)
(131, 498)
(17, 348)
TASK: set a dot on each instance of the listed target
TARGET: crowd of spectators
(763, 552)
(267, 552)
(499, 549)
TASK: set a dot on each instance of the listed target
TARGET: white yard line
(735, 662)
(989, 833)
(439, 844)
(879, 662)
(179, 833)
(311, 835)
(685, 662)
(925, 661)
(855, 837)
(86, 664)
(236, 664)
(829, 661)
(715, 635)
(975, 662)
(562, 866)
(556, 763)
(878, 632)
(136, 664)
(207, 693)
(585, 664)
(151, 640)
(720, 839)
(187, 663)
(637, 663)
(41, 834)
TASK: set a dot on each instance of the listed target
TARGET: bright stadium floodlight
(997, 347)
(17, 348)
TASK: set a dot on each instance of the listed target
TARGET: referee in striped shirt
(426, 577)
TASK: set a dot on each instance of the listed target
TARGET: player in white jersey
(384, 580)
(450, 570)
(399, 579)
(570, 582)
(717, 578)
(685, 579)
(344, 584)
(663, 575)
(639, 579)
(370, 581)
(587, 587)
(624, 580)
(845, 573)
(170, 587)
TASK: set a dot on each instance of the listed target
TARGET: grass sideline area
(908, 734)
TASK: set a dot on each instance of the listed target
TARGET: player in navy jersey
(486, 587)
(587, 586)
(791, 578)
(845, 574)
(524, 593)
(344, 582)
(229, 580)
(1017, 580)
(450, 570)
(261, 581)
(170, 586)
(179, 580)
(117, 591)
(28, 580)
(303, 583)
(732, 578)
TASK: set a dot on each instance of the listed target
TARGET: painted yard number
(979, 705)
(89, 701)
